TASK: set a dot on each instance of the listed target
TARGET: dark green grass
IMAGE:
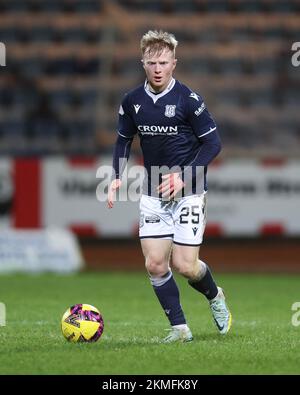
(262, 339)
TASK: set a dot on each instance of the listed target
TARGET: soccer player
(179, 138)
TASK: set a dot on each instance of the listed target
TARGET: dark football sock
(168, 296)
(206, 285)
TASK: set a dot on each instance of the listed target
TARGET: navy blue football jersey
(173, 127)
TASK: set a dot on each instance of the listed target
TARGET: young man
(178, 139)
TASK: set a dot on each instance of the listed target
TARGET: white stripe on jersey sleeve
(126, 137)
(210, 130)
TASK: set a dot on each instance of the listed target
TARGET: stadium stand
(70, 61)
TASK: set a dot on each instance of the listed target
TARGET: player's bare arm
(111, 196)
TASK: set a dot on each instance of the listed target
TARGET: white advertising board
(50, 250)
(243, 198)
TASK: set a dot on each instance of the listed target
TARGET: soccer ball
(82, 323)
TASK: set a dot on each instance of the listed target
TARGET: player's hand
(171, 184)
(114, 186)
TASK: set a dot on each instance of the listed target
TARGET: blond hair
(155, 42)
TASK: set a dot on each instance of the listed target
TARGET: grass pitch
(262, 339)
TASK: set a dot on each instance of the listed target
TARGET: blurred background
(68, 65)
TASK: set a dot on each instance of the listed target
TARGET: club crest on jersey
(170, 110)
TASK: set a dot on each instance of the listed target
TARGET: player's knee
(156, 266)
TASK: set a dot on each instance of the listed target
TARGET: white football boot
(220, 312)
(178, 335)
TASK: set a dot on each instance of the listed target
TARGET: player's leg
(157, 254)
(185, 261)
(156, 233)
(190, 218)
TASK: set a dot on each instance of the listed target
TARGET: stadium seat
(84, 54)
